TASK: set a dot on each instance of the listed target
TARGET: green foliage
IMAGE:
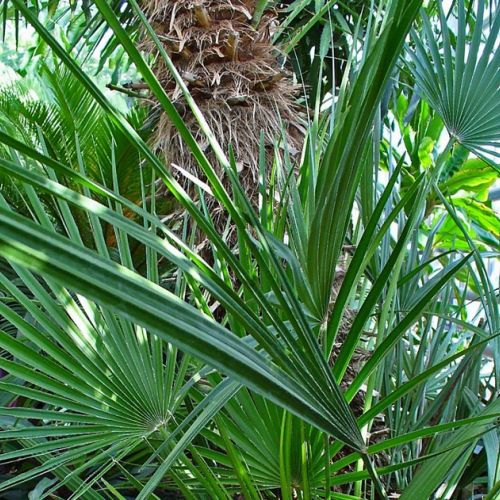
(327, 349)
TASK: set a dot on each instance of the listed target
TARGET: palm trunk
(232, 70)
(233, 73)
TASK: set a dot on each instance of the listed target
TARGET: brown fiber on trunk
(233, 73)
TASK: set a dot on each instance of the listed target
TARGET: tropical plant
(327, 348)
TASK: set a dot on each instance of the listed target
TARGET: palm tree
(121, 381)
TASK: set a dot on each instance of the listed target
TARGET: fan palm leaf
(461, 80)
(98, 375)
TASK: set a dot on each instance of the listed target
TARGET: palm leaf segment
(461, 84)
(102, 371)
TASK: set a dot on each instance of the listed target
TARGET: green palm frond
(459, 76)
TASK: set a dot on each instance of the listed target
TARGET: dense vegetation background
(249, 249)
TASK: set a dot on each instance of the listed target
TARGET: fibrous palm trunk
(232, 71)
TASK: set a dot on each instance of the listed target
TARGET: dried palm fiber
(233, 73)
